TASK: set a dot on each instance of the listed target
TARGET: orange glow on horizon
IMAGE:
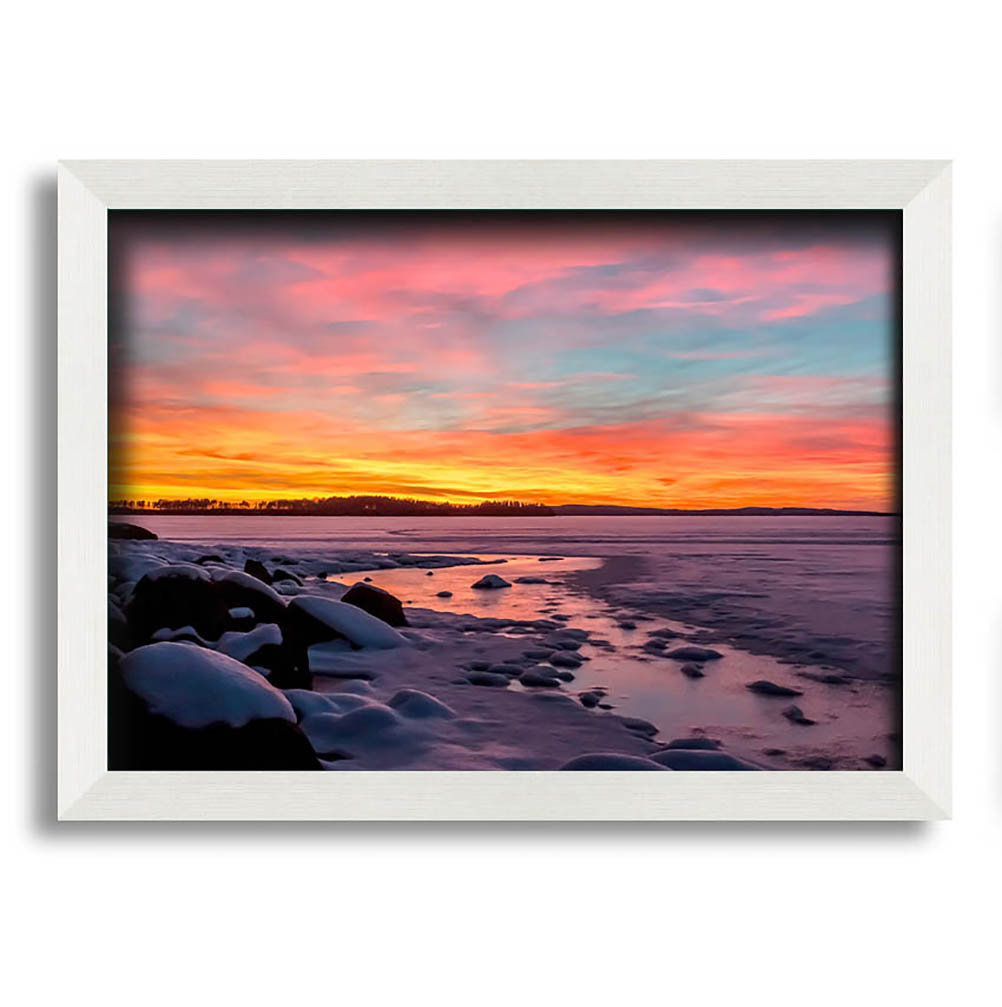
(683, 365)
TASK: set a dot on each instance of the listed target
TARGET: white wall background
(771, 914)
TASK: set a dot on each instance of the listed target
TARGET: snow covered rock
(536, 678)
(639, 726)
(610, 762)
(240, 646)
(690, 759)
(322, 619)
(242, 590)
(174, 706)
(417, 705)
(194, 687)
(704, 744)
(377, 602)
(180, 594)
(491, 581)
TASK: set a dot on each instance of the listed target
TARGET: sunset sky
(659, 360)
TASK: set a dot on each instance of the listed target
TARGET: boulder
(281, 574)
(175, 706)
(766, 688)
(565, 659)
(417, 705)
(692, 671)
(491, 581)
(536, 678)
(700, 743)
(610, 762)
(174, 596)
(693, 653)
(489, 678)
(121, 529)
(444, 594)
(796, 715)
(244, 590)
(257, 569)
(377, 602)
(689, 759)
(640, 726)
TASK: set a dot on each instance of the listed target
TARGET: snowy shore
(431, 663)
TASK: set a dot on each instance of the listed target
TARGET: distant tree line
(352, 506)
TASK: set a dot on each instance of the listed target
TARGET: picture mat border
(86, 790)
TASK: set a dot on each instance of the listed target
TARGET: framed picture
(504, 490)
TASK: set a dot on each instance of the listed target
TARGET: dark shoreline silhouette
(378, 506)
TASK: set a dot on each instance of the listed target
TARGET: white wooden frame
(88, 189)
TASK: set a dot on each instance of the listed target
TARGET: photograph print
(413, 490)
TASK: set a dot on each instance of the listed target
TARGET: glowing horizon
(634, 359)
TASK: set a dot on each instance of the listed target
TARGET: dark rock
(816, 762)
(444, 594)
(511, 670)
(281, 574)
(638, 725)
(692, 671)
(284, 671)
(694, 760)
(531, 580)
(875, 760)
(774, 751)
(479, 665)
(257, 569)
(119, 633)
(766, 688)
(243, 590)
(140, 740)
(693, 653)
(565, 659)
(664, 634)
(211, 558)
(590, 699)
(610, 762)
(491, 581)
(377, 602)
(704, 744)
(627, 624)
(176, 596)
(488, 678)
(121, 529)
(534, 678)
(795, 714)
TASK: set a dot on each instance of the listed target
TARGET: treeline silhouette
(353, 506)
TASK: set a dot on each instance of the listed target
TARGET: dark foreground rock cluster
(198, 656)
